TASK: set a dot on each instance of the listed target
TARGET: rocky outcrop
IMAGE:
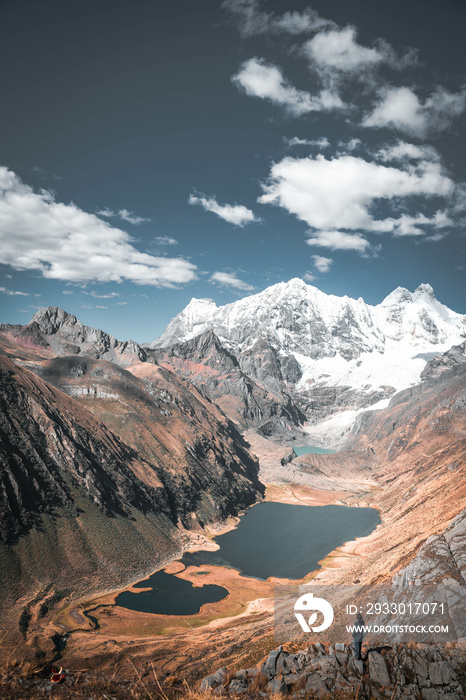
(219, 374)
(400, 673)
(66, 335)
(438, 364)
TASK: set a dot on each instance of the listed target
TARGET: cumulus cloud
(227, 279)
(349, 146)
(401, 109)
(105, 211)
(338, 49)
(309, 276)
(336, 197)
(13, 294)
(339, 240)
(317, 143)
(63, 242)
(235, 214)
(252, 21)
(407, 225)
(122, 214)
(265, 80)
(126, 215)
(321, 263)
(407, 151)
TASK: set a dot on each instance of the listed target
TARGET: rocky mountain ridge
(297, 317)
(288, 355)
(66, 335)
(328, 354)
(207, 364)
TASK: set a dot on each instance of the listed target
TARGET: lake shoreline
(277, 493)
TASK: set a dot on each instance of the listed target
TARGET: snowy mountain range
(351, 355)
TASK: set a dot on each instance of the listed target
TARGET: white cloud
(318, 143)
(122, 303)
(13, 294)
(101, 307)
(322, 264)
(165, 240)
(227, 279)
(259, 79)
(126, 215)
(407, 225)
(111, 295)
(235, 214)
(67, 292)
(339, 240)
(401, 108)
(338, 49)
(407, 151)
(309, 276)
(64, 242)
(251, 21)
(105, 211)
(122, 214)
(348, 146)
(337, 194)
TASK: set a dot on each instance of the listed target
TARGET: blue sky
(153, 152)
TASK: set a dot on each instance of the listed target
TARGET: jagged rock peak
(201, 303)
(67, 335)
(398, 296)
(52, 318)
(401, 295)
(424, 290)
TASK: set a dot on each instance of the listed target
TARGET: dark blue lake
(271, 539)
(170, 595)
(287, 541)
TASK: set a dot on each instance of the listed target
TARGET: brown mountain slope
(81, 510)
(416, 457)
(198, 454)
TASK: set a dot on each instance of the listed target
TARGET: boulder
(215, 680)
(378, 672)
(316, 684)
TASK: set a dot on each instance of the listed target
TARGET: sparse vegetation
(24, 620)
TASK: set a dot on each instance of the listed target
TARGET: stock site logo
(308, 604)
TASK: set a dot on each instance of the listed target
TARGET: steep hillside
(217, 373)
(82, 510)
(79, 509)
(416, 455)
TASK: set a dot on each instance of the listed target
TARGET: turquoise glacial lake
(311, 450)
(271, 539)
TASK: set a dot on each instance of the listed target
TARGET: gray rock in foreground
(401, 673)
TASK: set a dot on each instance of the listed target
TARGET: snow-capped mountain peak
(298, 317)
(337, 341)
